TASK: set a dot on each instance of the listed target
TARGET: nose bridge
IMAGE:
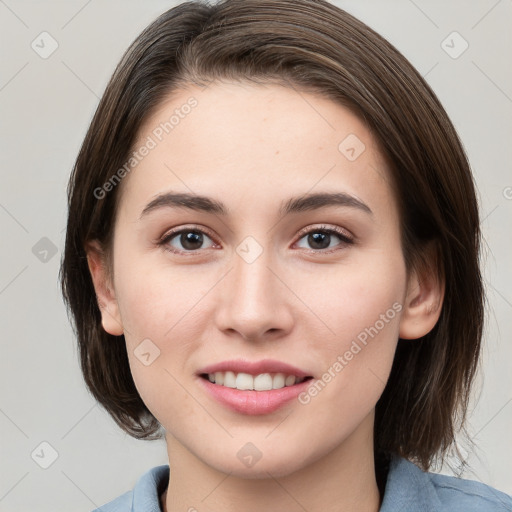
(252, 276)
(252, 299)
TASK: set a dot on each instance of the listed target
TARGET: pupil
(190, 238)
(316, 239)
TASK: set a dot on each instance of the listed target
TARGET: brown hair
(315, 46)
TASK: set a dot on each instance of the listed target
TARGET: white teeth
(229, 380)
(244, 381)
(261, 382)
(278, 381)
(290, 380)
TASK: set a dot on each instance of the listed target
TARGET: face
(258, 285)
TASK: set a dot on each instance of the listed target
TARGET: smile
(261, 382)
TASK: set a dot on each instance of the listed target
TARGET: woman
(272, 260)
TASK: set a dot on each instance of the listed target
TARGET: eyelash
(343, 236)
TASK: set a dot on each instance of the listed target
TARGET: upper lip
(255, 367)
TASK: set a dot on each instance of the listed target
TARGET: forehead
(239, 141)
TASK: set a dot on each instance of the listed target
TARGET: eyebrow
(298, 204)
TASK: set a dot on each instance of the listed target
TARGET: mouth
(246, 381)
(254, 387)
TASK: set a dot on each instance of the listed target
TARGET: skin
(252, 147)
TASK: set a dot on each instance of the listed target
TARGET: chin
(263, 469)
(251, 463)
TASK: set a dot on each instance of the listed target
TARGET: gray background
(46, 106)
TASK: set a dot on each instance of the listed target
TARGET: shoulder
(122, 503)
(144, 497)
(416, 490)
(469, 494)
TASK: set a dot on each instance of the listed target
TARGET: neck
(342, 480)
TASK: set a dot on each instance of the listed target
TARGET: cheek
(362, 313)
(163, 316)
(157, 301)
(352, 300)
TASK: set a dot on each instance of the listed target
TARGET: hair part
(312, 46)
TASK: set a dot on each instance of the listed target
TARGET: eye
(190, 240)
(184, 240)
(321, 238)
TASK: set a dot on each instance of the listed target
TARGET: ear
(423, 303)
(107, 302)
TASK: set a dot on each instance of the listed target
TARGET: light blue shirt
(408, 489)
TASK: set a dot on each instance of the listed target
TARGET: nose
(254, 301)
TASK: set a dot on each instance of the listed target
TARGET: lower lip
(254, 402)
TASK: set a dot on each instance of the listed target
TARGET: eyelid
(185, 227)
(342, 232)
(171, 233)
(346, 239)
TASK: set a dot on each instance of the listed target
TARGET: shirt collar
(408, 488)
(146, 493)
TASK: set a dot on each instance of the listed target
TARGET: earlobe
(105, 294)
(423, 304)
